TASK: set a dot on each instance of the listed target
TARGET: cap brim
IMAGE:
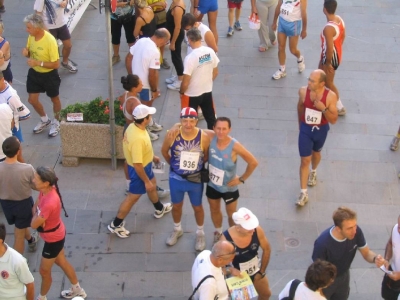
(250, 225)
(152, 110)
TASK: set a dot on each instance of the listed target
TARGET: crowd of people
(194, 156)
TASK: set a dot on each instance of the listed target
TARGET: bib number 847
(312, 119)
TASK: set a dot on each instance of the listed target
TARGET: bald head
(222, 248)
(162, 33)
(321, 75)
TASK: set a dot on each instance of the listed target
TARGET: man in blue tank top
(224, 181)
(186, 150)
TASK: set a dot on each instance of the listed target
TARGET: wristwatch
(262, 274)
(41, 64)
(241, 179)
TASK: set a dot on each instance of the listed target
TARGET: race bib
(251, 266)
(216, 175)
(189, 160)
(313, 117)
(286, 9)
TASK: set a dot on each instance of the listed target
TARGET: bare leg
(304, 171)
(281, 48)
(230, 17)
(262, 287)
(66, 51)
(33, 100)
(315, 159)
(67, 268)
(237, 13)
(293, 41)
(115, 49)
(177, 212)
(199, 214)
(56, 107)
(212, 22)
(230, 209)
(45, 271)
(126, 205)
(215, 210)
(19, 239)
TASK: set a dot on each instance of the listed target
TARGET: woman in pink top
(48, 222)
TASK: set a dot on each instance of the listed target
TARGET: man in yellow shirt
(43, 59)
(139, 155)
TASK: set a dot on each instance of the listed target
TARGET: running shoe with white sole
(176, 85)
(312, 178)
(200, 244)
(173, 238)
(230, 32)
(153, 136)
(300, 64)
(200, 115)
(155, 127)
(171, 79)
(120, 230)
(70, 67)
(68, 294)
(165, 64)
(279, 74)
(33, 246)
(302, 200)
(160, 213)
(394, 145)
(41, 298)
(41, 126)
(238, 26)
(162, 193)
(54, 129)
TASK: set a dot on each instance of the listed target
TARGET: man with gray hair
(200, 70)
(208, 270)
(43, 59)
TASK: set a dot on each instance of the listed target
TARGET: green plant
(96, 111)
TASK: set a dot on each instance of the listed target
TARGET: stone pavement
(357, 170)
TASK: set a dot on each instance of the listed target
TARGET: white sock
(177, 226)
(304, 191)
(314, 171)
(339, 104)
(45, 118)
(76, 287)
(219, 230)
(200, 230)
(128, 182)
(282, 68)
(55, 121)
(301, 59)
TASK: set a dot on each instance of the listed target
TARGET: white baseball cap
(245, 218)
(142, 111)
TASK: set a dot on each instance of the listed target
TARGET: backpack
(197, 287)
(293, 288)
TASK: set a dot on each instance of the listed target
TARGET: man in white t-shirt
(15, 274)
(52, 12)
(320, 274)
(211, 263)
(200, 70)
(143, 60)
(6, 124)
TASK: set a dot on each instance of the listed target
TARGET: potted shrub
(92, 137)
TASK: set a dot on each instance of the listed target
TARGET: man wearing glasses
(210, 263)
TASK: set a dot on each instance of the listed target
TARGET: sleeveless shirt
(337, 42)
(312, 116)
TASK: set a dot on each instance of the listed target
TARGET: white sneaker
(200, 242)
(171, 79)
(176, 85)
(173, 238)
(301, 65)
(279, 74)
(155, 127)
(68, 294)
(302, 200)
(41, 125)
(120, 231)
(54, 129)
(153, 136)
(70, 67)
(160, 213)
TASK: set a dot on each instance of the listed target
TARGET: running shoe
(160, 213)
(279, 74)
(68, 294)
(176, 85)
(162, 193)
(116, 59)
(395, 144)
(312, 178)
(300, 64)
(238, 26)
(217, 235)
(41, 298)
(120, 230)
(165, 64)
(173, 238)
(342, 111)
(230, 31)
(54, 129)
(171, 79)
(155, 127)
(41, 125)
(200, 115)
(2, 9)
(70, 67)
(302, 200)
(153, 136)
(200, 242)
(33, 246)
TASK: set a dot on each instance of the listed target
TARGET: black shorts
(51, 250)
(229, 197)
(61, 33)
(48, 83)
(7, 74)
(18, 212)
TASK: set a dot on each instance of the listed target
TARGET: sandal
(262, 49)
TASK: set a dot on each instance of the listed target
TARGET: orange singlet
(337, 43)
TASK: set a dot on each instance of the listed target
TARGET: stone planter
(88, 140)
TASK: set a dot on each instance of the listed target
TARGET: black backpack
(293, 288)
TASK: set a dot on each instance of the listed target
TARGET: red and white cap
(245, 218)
(189, 112)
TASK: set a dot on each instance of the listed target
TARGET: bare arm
(138, 26)
(153, 81)
(205, 145)
(370, 256)
(303, 8)
(300, 104)
(166, 145)
(277, 12)
(215, 73)
(128, 62)
(210, 41)
(266, 247)
(185, 83)
(389, 249)
(30, 291)
(331, 113)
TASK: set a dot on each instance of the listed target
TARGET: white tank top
(290, 10)
(203, 30)
(395, 249)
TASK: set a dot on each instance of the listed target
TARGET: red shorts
(234, 5)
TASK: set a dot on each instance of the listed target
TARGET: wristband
(262, 274)
(374, 259)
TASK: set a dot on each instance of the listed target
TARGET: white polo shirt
(200, 64)
(14, 275)
(145, 56)
(211, 288)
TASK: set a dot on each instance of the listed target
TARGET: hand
(235, 272)
(379, 260)
(156, 159)
(164, 4)
(25, 52)
(303, 34)
(173, 132)
(149, 186)
(196, 12)
(63, 4)
(235, 181)
(33, 62)
(155, 95)
(386, 263)
(172, 46)
(254, 10)
(274, 26)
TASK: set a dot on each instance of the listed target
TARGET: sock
(314, 171)
(42, 296)
(282, 68)
(55, 121)
(44, 119)
(304, 191)
(117, 221)
(301, 59)
(200, 230)
(31, 240)
(339, 104)
(219, 230)
(128, 182)
(158, 206)
(76, 287)
(177, 226)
